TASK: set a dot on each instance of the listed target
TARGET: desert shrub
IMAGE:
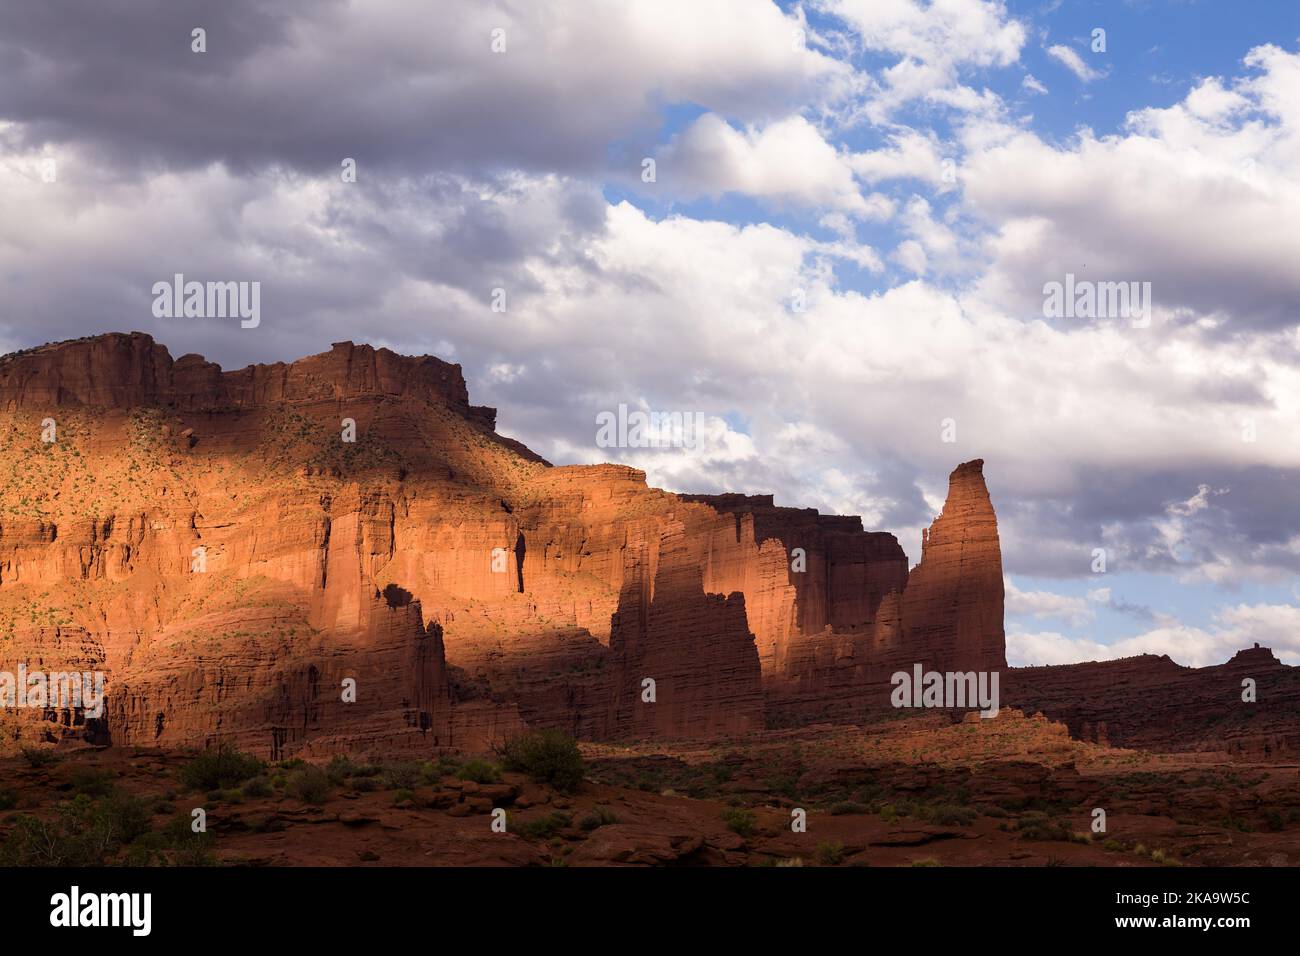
(952, 815)
(1038, 826)
(786, 784)
(339, 769)
(830, 853)
(38, 757)
(546, 756)
(403, 796)
(546, 827)
(650, 781)
(871, 794)
(61, 841)
(480, 771)
(360, 777)
(8, 800)
(187, 847)
(141, 854)
(309, 783)
(401, 776)
(432, 771)
(597, 818)
(82, 832)
(124, 818)
(847, 806)
(91, 782)
(258, 787)
(739, 820)
(217, 768)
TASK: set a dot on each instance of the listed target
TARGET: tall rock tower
(951, 609)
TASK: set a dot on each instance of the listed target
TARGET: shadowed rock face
(126, 371)
(212, 542)
(945, 615)
(951, 614)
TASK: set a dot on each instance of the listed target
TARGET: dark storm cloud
(1243, 518)
(123, 75)
(397, 86)
(280, 83)
(334, 265)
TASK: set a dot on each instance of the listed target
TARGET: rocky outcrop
(234, 549)
(950, 617)
(802, 573)
(339, 554)
(684, 661)
(945, 615)
(131, 370)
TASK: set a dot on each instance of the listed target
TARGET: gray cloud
(399, 86)
(1249, 523)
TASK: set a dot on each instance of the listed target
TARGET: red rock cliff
(211, 541)
(945, 615)
(131, 370)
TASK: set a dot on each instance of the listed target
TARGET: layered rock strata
(237, 549)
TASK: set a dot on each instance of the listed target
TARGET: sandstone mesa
(324, 561)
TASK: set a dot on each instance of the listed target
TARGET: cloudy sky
(837, 255)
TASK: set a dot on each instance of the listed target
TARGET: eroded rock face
(213, 542)
(802, 573)
(214, 546)
(945, 615)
